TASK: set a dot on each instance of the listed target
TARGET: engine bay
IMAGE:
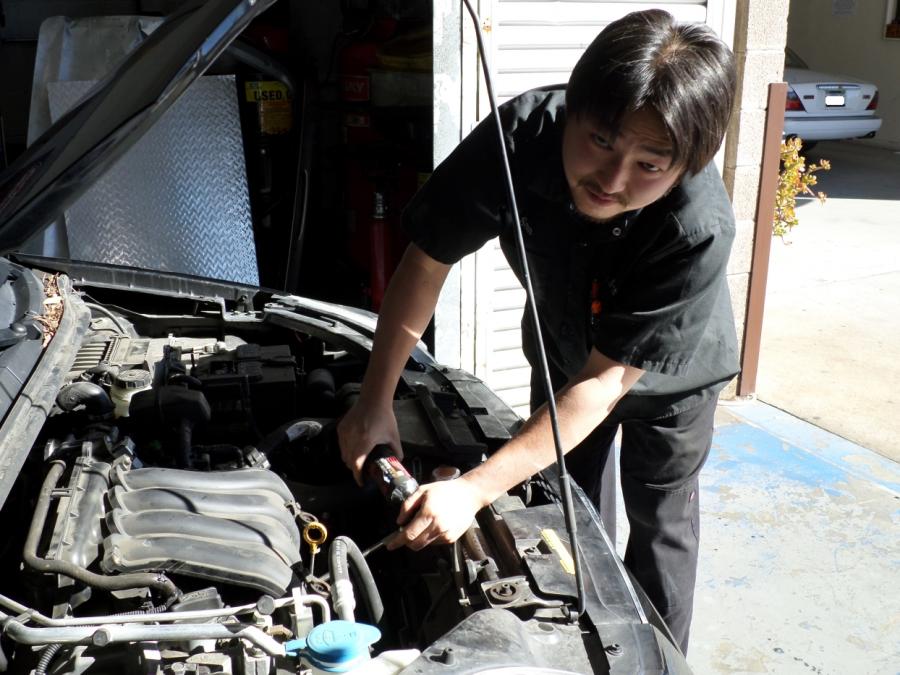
(184, 509)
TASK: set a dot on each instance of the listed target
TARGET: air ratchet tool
(383, 468)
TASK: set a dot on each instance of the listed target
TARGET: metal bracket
(513, 592)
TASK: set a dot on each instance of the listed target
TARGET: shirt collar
(548, 178)
(596, 232)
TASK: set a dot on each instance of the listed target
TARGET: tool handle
(384, 469)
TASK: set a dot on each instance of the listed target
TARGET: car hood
(804, 76)
(78, 149)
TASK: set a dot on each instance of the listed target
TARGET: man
(628, 230)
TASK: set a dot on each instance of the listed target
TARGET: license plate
(834, 100)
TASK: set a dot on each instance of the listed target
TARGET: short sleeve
(459, 207)
(464, 203)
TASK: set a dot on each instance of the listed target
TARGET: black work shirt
(647, 289)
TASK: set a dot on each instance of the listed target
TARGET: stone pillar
(759, 39)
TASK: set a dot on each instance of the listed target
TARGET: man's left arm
(441, 512)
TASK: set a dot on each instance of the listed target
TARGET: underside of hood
(69, 158)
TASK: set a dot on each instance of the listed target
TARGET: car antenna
(564, 478)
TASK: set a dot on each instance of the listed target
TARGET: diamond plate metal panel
(178, 200)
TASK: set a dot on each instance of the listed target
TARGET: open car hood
(78, 149)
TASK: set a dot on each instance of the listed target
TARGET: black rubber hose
(184, 452)
(103, 372)
(344, 555)
(115, 319)
(288, 433)
(92, 396)
(221, 453)
(189, 381)
(120, 582)
(320, 388)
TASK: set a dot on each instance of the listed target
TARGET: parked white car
(827, 107)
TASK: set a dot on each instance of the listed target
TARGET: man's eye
(600, 141)
(652, 168)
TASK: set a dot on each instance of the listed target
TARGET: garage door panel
(508, 13)
(504, 380)
(513, 61)
(505, 280)
(505, 319)
(549, 35)
(510, 338)
(511, 299)
(506, 359)
(517, 398)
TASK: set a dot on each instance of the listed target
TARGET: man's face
(610, 174)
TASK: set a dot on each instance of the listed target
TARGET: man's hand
(408, 305)
(361, 429)
(441, 512)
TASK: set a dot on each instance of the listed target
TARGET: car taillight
(792, 102)
(873, 103)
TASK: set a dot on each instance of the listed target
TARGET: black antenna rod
(564, 479)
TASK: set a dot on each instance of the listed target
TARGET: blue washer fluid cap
(336, 646)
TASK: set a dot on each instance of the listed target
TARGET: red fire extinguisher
(356, 61)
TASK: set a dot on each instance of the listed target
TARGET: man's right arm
(405, 312)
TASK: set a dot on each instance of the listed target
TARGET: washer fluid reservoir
(126, 385)
(343, 647)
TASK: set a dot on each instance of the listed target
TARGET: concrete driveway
(830, 350)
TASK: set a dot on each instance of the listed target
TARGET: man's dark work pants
(660, 463)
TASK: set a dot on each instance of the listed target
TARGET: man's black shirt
(647, 289)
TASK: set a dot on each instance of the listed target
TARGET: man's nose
(613, 177)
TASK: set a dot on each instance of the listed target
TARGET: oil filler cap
(336, 646)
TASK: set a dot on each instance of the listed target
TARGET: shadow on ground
(858, 170)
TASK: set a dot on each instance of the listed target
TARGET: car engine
(184, 509)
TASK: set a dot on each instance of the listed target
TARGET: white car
(826, 107)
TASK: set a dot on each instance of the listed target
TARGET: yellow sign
(551, 538)
(274, 104)
(268, 90)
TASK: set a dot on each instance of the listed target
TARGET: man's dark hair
(648, 60)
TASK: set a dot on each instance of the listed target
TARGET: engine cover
(229, 526)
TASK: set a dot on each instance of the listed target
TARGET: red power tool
(383, 468)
